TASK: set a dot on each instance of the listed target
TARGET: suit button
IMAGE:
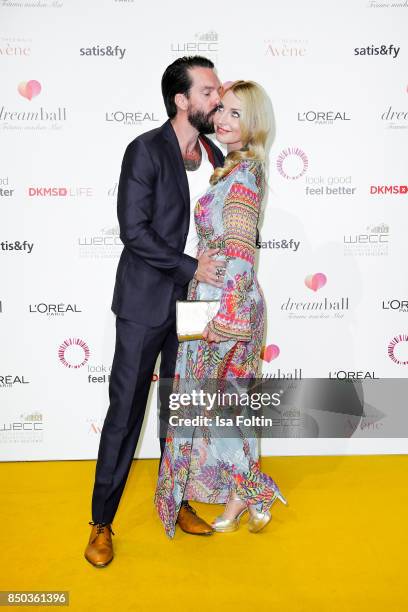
(185, 236)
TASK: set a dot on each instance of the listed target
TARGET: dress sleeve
(240, 216)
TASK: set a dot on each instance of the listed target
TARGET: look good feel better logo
(73, 353)
(398, 349)
(292, 163)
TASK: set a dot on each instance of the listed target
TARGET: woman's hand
(210, 336)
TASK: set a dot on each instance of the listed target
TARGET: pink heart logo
(270, 352)
(29, 89)
(316, 281)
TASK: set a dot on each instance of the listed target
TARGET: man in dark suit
(153, 272)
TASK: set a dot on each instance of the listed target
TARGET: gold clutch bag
(192, 316)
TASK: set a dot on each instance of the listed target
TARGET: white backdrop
(80, 80)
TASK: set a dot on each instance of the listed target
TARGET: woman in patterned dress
(202, 467)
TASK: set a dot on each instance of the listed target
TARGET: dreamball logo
(29, 115)
(315, 281)
(73, 353)
(324, 308)
(29, 89)
(270, 352)
(395, 118)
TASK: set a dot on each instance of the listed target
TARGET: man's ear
(181, 101)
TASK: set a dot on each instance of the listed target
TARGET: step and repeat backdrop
(80, 80)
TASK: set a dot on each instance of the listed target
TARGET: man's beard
(201, 121)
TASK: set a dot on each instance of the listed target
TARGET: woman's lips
(220, 129)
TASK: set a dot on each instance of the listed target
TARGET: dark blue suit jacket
(154, 218)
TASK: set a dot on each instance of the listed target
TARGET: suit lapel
(177, 161)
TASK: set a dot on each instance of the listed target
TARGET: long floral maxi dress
(204, 468)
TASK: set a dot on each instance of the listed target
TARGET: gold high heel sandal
(256, 521)
(259, 520)
(225, 525)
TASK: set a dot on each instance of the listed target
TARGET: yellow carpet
(341, 544)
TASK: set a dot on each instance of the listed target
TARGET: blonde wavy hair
(256, 123)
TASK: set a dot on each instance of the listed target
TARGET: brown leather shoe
(190, 522)
(99, 551)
